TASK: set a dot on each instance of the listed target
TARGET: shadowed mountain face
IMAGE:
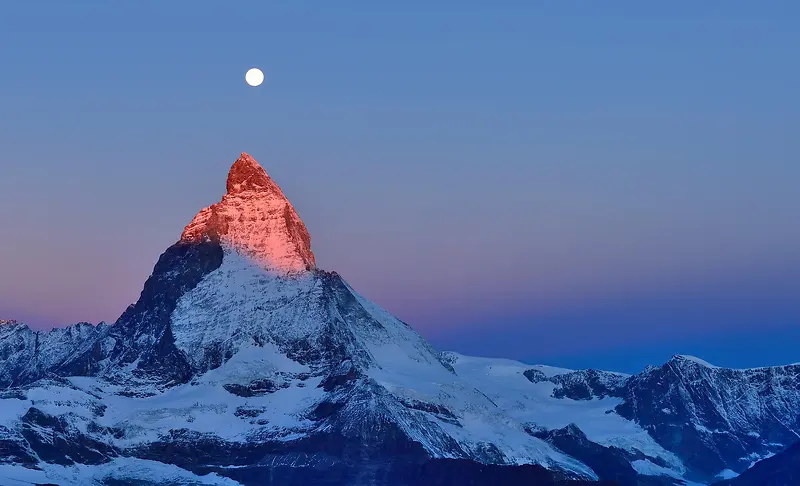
(782, 469)
(716, 418)
(243, 363)
(26, 356)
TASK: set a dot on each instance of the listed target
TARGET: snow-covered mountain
(243, 363)
(26, 355)
(717, 419)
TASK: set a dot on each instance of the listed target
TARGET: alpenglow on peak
(247, 175)
(256, 220)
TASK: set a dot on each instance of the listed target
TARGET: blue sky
(539, 181)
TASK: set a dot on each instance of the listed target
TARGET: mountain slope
(782, 469)
(553, 407)
(716, 418)
(26, 355)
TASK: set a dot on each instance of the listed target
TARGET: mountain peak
(692, 359)
(247, 175)
(255, 219)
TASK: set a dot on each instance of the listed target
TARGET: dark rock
(255, 388)
(343, 375)
(14, 449)
(535, 376)
(609, 463)
(325, 409)
(144, 332)
(440, 411)
(589, 384)
(581, 385)
(782, 469)
(246, 412)
(55, 440)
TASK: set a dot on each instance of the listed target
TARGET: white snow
(727, 474)
(239, 300)
(532, 403)
(120, 468)
(650, 469)
(205, 406)
(11, 410)
(697, 360)
(755, 458)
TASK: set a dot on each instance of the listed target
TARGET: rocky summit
(255, 220)
(244, 363)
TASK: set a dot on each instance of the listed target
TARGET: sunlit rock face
(255, 219)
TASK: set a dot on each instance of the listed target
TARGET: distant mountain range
(243, 363)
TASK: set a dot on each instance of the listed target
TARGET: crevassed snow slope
(533, 403)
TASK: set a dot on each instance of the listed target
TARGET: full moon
(254, 77)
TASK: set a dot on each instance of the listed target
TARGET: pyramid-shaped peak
(256, 220)
(247, 175)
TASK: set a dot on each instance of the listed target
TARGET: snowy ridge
(695, 360)
(27, 355)
(730, 417)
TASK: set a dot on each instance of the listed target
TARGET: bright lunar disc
(254, 77)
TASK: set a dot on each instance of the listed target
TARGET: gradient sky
(589, 184)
